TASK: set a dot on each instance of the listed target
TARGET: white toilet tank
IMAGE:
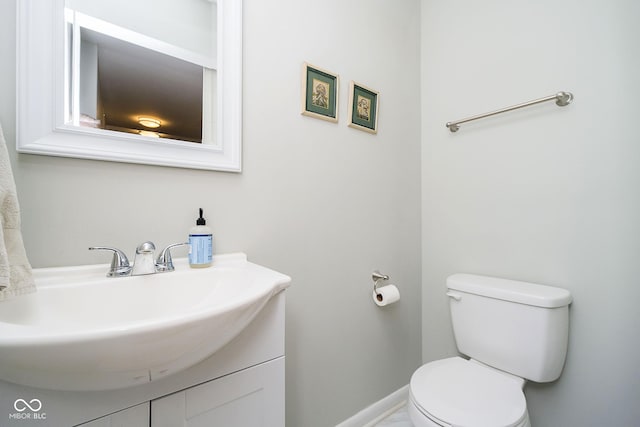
(518, 327)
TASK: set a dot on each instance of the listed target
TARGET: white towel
(15, 271)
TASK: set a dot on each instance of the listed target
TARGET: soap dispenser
(200, 244)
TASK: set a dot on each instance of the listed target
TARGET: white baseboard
(376, 412)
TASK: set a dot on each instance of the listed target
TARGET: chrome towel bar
(562, 99)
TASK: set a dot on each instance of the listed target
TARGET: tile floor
(400, 418)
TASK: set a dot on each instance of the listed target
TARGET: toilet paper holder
(376, 276)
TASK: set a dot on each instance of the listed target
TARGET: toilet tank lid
(510, 290)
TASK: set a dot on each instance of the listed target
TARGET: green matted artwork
(319, 93)
(363, 108)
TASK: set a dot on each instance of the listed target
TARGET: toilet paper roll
(386, 295)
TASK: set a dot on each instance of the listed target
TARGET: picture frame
(320, 90)
(363, 108)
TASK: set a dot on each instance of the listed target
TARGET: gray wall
(322, 202)
(547, 195)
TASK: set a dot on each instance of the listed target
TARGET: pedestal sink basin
(83, 331)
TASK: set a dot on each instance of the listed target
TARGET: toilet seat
(463, 393)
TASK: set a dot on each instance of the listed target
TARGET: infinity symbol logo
(21, 405)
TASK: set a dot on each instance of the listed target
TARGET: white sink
(83, 331)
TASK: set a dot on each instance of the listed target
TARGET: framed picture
(319, 93)
(363, 108)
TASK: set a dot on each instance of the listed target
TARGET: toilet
(511, 332)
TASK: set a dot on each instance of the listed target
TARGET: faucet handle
(119, 263)
(164, 261)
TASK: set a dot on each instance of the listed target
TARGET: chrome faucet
(143, 262)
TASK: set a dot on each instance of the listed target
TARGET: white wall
(319, 201)
(548, 195)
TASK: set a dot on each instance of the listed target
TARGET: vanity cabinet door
(253, 397)
(136, 416)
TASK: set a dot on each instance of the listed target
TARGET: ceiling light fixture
(149, 122)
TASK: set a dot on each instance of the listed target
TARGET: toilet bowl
(465, 393)
(511, 332)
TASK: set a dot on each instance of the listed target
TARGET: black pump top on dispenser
(201, 220)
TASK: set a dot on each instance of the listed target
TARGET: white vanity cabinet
(253, 397)
(137, 416)
(241, 385)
